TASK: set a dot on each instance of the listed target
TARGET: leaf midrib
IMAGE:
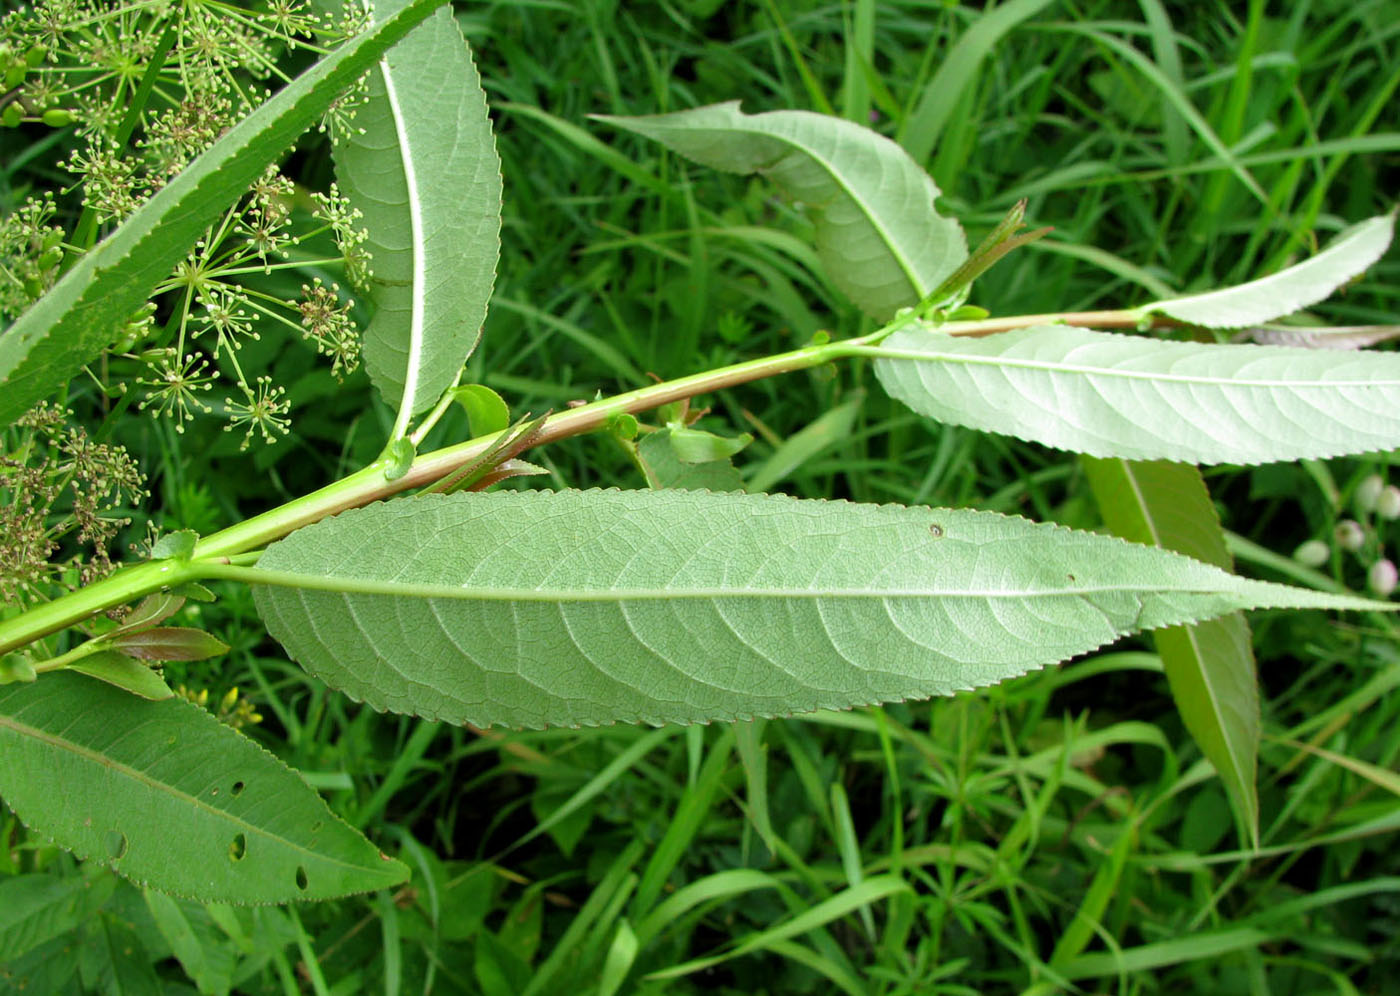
(963, 359)
(408, 589)
(419, 252)
(906, 265)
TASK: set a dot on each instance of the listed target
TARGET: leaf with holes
(877, 232)
(422, 169)
(172, 798)
(1144, 399)
(567, 608)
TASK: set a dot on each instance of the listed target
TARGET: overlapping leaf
(566, 608)
(1209, 665)
(877, 232)
(423, 171)
(75, 320)
(1140, 398)
(171, 797)
(1289, 290)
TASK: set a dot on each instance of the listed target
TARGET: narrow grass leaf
(1174, 97)
(1282, 293)
(1382, 778)
(709, 889)
(1209, 666)
(1131, 396)
(621, 955)
(569, 608)
(840, 905)
(877, 232)
(77, 319)
(826, 430)
(422, 168)
(170, 797)
(956, 71)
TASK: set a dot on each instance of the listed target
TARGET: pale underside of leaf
(423, 170)
(74, 321)
(1291, 289)
(170, 797)
(1308, 337)
(582, 608)
(1141, 398)
(877, 232)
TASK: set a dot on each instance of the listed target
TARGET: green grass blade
(1176, 98)
(1209, 666)
(842, 904)
(77, 319)
(924, 127)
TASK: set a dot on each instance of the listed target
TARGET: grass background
(1058, 833)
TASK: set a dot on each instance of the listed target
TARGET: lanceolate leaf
(170, 797)
(1144, 399)
(1290, 290)
(1209, 665)
(423, 170)
(878, 234)
(532, 609)
(75, 320)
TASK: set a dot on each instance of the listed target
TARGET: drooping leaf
(1289, 290)
(172, 798)
(1144, 399)
(1209, 665)
(75, 320)
(565, 608)
(423, 170)
(877, 232)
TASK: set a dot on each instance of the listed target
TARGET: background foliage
(1058, 831)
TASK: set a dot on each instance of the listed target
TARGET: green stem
(124, 586)
(370, 484)
(84, 649)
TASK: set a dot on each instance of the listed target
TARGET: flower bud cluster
(1377, 503)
